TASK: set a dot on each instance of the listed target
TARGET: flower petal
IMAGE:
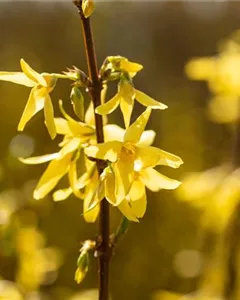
(127, 93)
(135, 130)
(91, 215)
(155, 181)
(89, 115)
(39, 159)
(137, 190)
(70, 147)
(146, 100)
(110, 189)
(34, 104)
(106, 151)
(147, 138)
(127, 211)
(77, 128)
(62, 194)
(152, 156)
(72, 176)
(123, 172)
(139, 207)
(17, 77)
(113, 132)
(32, 74)
(129, 66)
(49, 117)
(62, 126)
(91, 200)
(54, 172)
(108, 107)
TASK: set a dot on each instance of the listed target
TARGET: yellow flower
(134, 205)
(118, 65)
(88, 183)
(76, 135)
(39, 98)
(129, 155)
(125, 98)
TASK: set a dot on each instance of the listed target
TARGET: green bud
(77, 102)
(82, 266)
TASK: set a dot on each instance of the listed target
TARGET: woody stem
(95, 93)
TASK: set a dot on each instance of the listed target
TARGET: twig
(104, 251)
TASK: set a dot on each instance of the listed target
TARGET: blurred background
(169, 252)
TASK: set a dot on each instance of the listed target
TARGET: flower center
(129, 149)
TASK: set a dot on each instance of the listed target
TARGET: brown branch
(104, 252)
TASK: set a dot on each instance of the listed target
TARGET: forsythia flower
(121, 68)
(131, 164)
(125, 98)
(39, 98)
(77, 135)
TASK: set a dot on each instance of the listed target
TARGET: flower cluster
(129, 157)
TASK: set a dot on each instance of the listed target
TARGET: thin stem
(95, 92)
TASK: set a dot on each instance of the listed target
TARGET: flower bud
(77, 102)
(82, 266)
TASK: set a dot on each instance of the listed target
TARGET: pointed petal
(139, 207)
(126, 109)
(147, 138)
(17, 77)
(62, 194)
(127, 93)
(49, 117)
(109, 106)
(62, 126)
(39, 159)
(152, 156)
(137, 190)
(146, 100)
(127, 211)
(110, 190)
(77, 128)
(106, 151)
(32, 74)
(89, 115)
(113, 132)
(155, 181)
(123, 172)
(72, 176)
(54, 172)
(70, 147)
(91, 200)
(135, 130)
(91, 215)
(129, 66)
(34, 104)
